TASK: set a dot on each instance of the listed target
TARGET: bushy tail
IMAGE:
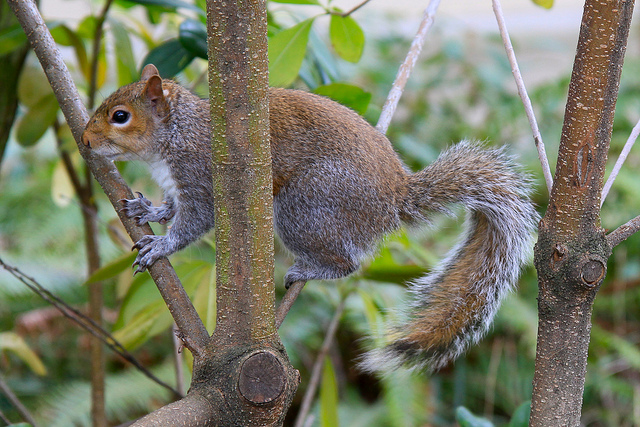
(453, 306)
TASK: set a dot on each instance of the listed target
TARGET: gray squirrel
(338, 188)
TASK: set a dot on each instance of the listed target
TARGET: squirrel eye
(120, 116)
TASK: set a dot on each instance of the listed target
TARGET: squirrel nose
(85, 140)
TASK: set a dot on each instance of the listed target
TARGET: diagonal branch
(317, 366)
(105, 172)
(623, 156)
(85, 322)
(390, 105)
(287, 302)
(22, 410)
(623, 232)
(524, 96)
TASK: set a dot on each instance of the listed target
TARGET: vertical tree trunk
(572, 250)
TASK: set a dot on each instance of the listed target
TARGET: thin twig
(5, 419)
(390, 105)
(83, 321)
(177, 354)
(97, 38)
(22, 410)
(45, 48)
(623, 232)
(317, 366)
(623, 156)
(349, 12)
(287, 302)
(524, 96)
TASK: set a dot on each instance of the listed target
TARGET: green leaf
(547, 4)
(521, 415)
(36, 121)
(346, 37)
(33, 86)
(11, 38)
(348, 95)
(313, 2)
(125, 61)
(329, 396)
(143, 325)
(170, 58)
(466, 419)
(62, 191)
(112, 269)
(10, 341)
(286, 52)
(173, 4)
(65, 36)
(193, 36)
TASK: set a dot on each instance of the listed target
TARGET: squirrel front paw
(143, 210)
(150, 249)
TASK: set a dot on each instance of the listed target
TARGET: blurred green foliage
(462, 88)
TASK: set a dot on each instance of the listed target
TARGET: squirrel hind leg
(306, 269)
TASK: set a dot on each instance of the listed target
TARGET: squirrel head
(126, 124)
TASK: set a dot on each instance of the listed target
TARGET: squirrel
(338, 188)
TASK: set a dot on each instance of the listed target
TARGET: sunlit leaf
(10, 341)
(139, 328)
(170, 58)
(547, 4)
(62, 190)
(466, 419)
(112, 269)
(286, 52)
(351, 96)
(347, 37)
(36, 121)
(329, 396)
(193, 36)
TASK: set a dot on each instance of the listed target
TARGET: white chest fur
(161, 173)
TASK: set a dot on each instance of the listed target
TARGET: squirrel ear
(149, 71)
(155, 94)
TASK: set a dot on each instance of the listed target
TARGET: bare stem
(623, 232)
(623, 156)
(390, 105)
(22, 410)
(317, 366)
(524, 96)
(349, 12)
(287, 302)
(84, 321)
(97, 38)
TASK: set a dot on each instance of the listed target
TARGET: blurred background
(462, 88)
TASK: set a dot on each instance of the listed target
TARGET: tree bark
(572, 250)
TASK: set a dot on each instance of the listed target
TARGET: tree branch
(623, 232)
(524, 96)
(390, 105)
(22, 410)
(623, 156)
(85, 322)
(287, 302)
(103, 170)
(317, 366)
